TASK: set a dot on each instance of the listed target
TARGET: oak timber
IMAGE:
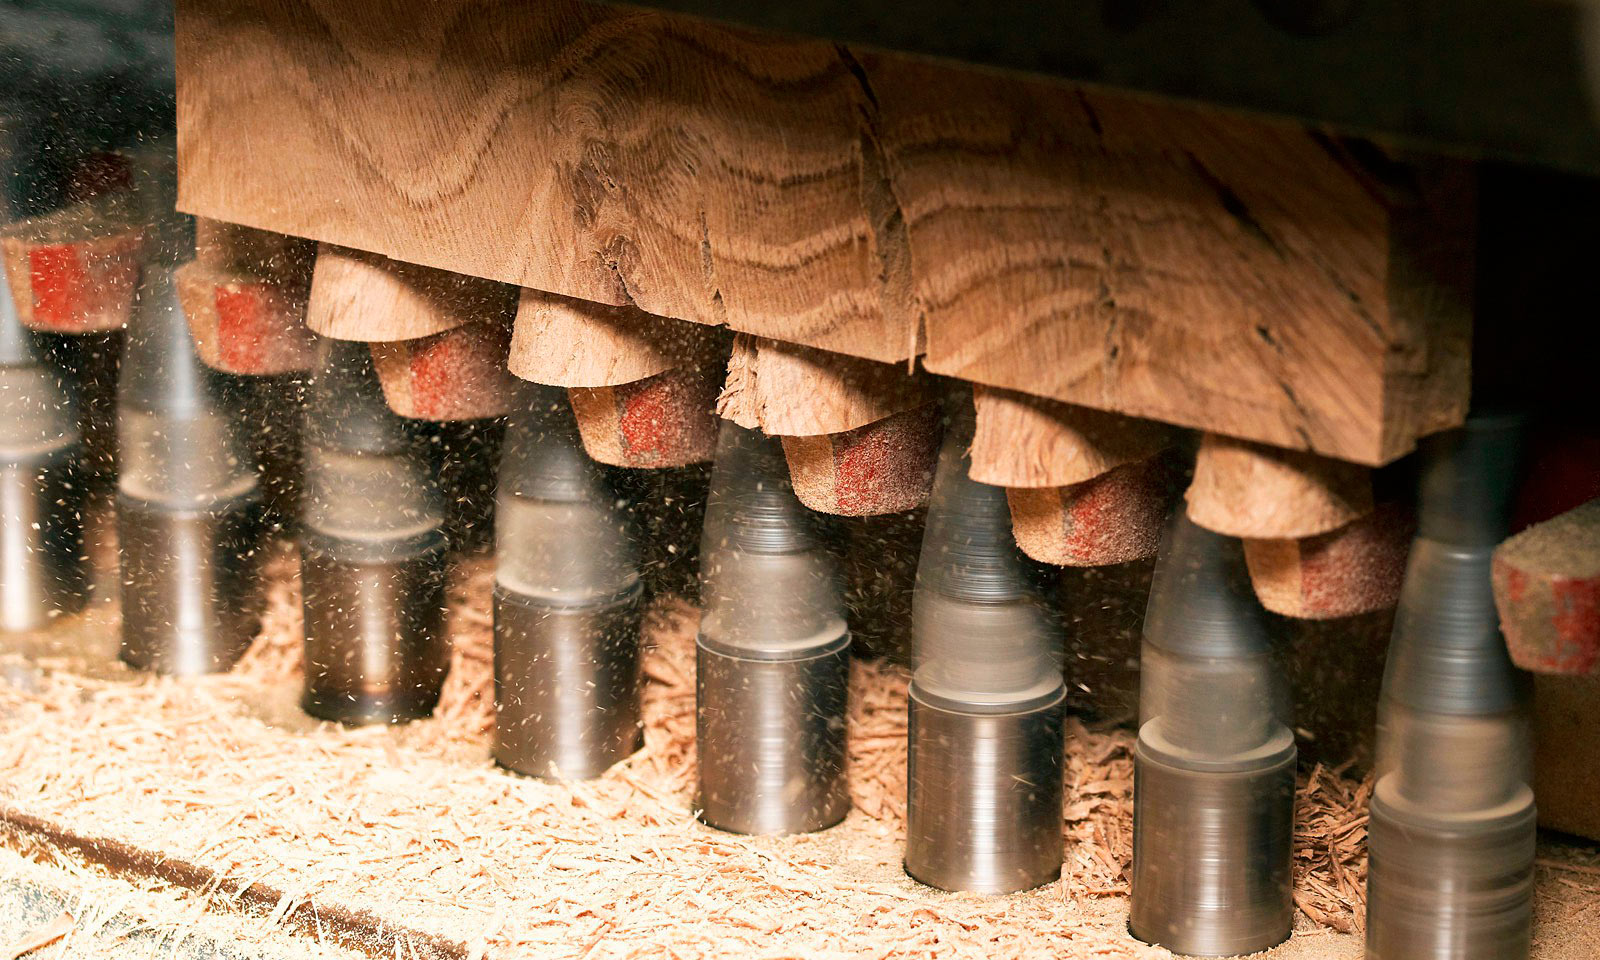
(1027, 441)
(363, 296)
(1244, 277)
(1261, 493)
(785, 389)
(562, 342)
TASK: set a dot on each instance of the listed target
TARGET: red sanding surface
(456, 375)
(883, 467)
(243, 324)
(1114, 518)
(1357, 568)
(667, 420)
(84, 286)
(1547, 589)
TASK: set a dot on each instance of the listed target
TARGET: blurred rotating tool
(773, 651)
(190, 518)
(567, 601)
(372, 551)
(1214, 763)
(987, 697)
(42, 482)
(1452, 831)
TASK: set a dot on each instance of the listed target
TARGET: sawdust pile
(389, 820)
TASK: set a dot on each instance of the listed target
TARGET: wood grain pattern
(1261, 493)
(1192, 267)
(1244, 277)
(364, 296)
(614, 155)
(1027, 441)
(564, 342)
(785, 389)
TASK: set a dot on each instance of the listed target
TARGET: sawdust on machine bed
(412, 832)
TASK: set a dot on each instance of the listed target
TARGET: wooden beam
(363, 296)
(1240, 276)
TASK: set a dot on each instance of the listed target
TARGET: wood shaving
(41, 936)
(415, 823)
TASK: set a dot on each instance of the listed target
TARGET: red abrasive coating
(667, 420)
(1114, 518)
(1357, 568)
(82, 287)
(240, 341)
(245, 325)
(1547, 590)
(882, 467)
(459, 374)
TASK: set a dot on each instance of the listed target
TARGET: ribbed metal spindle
(772, 654)
(987, 696)
(190, 518)
(372, 552)
(1453, 824)
(567, 602)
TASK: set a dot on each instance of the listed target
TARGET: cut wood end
(84, 284)
(1355, 569)
(662, 421)
(245, 325)
(1026, 441)
(1115, 518)
(563, 342)
(1547, 589)
(882, 467)
(456, 375)
(1257, 492)
(784, 389)
(368, 297)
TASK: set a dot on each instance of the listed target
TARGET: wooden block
(243, 324)
(1547, 589)
(885, 466)
(456, 375)
(1027, 441)
(75, 270)
(364, 296)
(1357, 568)
(626, 156)
(1241, 276)
(1115, 517)
(562, 342)
(1237, 275)
(666, 420)
(784, 389)
(1261, 493)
